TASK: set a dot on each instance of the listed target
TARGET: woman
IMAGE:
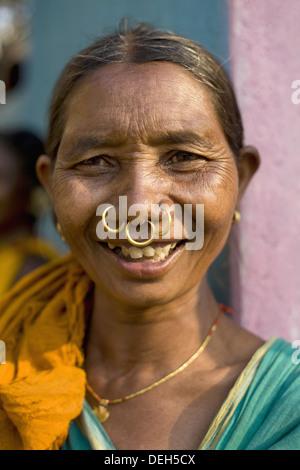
(21, 251)
(110, 348)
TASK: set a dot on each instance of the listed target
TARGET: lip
(143, 269)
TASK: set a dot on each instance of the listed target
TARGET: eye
(183, 156)
(98, 161)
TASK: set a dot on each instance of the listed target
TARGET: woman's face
(148, 132)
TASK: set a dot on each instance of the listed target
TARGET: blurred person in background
(21, 201)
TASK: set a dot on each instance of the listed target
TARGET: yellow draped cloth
(42, 384)
(14, 254)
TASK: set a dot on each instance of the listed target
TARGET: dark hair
(27, 147)
(141, 44)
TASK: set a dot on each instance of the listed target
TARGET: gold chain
(101, 410)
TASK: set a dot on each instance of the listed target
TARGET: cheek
(219, 207)
(216, 188)
(75, 202)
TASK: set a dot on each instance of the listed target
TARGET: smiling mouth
(147, 254)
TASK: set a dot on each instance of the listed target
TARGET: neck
(125, 339)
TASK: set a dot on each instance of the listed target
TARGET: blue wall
(62, 27)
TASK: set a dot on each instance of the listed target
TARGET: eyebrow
(86, 143)
(170, 137)
(182, 137)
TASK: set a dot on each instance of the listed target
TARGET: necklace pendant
(102, 413)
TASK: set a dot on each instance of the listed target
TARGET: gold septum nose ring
(128, 236)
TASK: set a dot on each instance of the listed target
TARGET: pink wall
(265, 60)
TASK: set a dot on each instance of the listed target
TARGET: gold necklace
(101, 410)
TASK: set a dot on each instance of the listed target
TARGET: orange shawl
(15, 253)
(42, 322)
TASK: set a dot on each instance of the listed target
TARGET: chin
(141, 295)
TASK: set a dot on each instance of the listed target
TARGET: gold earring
(236, 217)
(59, 229)
(105, 224)
(140, 244)
(163, 232)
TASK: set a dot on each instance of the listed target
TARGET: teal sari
(261, 412)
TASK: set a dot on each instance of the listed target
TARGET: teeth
(167, 248)
(149, 251)
(153, 254)
(135, 253)
(125, 251)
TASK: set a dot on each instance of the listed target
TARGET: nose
(141, 196)
(143, 193)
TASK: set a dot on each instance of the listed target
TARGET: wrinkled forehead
(141, 82)
(122, 96)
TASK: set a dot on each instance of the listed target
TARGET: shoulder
(280, 368)
(275, 374)
(262, 410)
(281, 362)
(272, 402)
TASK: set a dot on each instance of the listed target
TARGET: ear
(248, 163)
(44, 167)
